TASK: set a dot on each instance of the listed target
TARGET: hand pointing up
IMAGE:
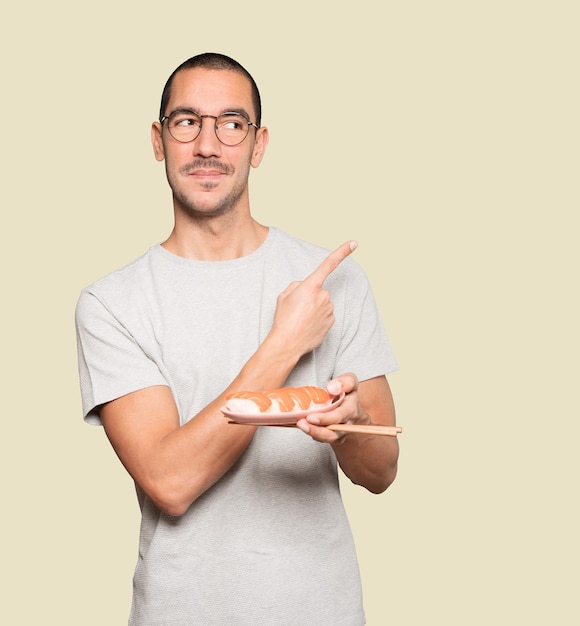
(304, 311)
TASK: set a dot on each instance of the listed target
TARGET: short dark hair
(213, 61)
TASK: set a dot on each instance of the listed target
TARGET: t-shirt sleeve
(111, 363)
(364, 347)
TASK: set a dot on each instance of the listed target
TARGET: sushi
(283, 400)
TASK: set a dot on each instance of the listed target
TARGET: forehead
(210, 91)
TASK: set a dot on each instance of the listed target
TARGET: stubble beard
(199, 210)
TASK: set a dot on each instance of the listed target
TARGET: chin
(201, 210)
(207, 207)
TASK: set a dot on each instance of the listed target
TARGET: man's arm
(175, 464)
(368, 460)
(172, 464)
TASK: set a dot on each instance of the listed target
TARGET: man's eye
(185, 122)
(231, 123)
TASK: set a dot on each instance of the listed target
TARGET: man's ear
(157, 141)
(259, 146)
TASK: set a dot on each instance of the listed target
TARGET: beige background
(444, 136)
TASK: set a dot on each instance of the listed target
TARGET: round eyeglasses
(230, 128)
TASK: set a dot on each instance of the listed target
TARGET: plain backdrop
(444, 137)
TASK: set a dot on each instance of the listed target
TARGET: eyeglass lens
(231, 128)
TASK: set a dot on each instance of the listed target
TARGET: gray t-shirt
(269, 544)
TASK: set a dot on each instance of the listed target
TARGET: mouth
(204, 174)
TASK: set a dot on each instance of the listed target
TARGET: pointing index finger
(331, 262)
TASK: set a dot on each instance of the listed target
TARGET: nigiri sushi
(283, 400)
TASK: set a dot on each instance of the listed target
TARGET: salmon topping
(283, 400)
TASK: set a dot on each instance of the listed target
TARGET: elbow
(171, 507)
(169, 497)
(379, 484)
(384, 479)
(173, 491)
(382, 486)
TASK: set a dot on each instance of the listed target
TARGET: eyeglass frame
(215, 128)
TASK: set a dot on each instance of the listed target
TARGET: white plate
(275, 419)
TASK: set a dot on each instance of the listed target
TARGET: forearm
(210, 443)
(368, 460)
(371, 460)
(175, 464)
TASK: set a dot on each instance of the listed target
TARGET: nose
(206, 143)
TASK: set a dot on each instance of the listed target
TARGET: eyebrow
(182, 110)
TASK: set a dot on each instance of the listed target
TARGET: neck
(215, 239)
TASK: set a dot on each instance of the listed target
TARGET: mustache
(212, 164)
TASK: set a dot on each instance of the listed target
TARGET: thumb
(344, 382)
(334, 387)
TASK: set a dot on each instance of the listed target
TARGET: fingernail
(353, 245)
(334, 387)
(313, 419)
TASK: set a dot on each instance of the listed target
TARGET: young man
(240, 525)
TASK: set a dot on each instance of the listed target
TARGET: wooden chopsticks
(369, 429)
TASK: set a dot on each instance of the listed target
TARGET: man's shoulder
(124, 277)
